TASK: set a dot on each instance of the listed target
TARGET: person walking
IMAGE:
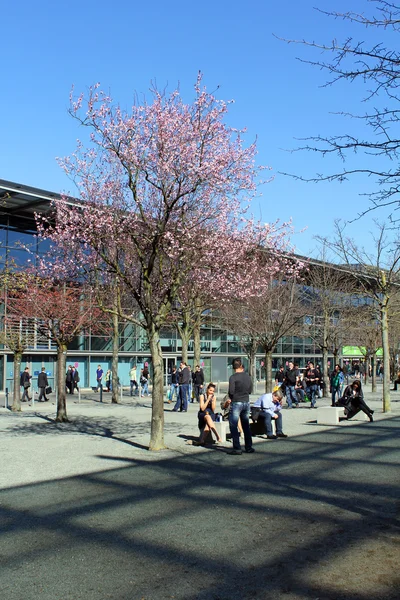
(75, 379)
(99, 378)
(108, 380)
(336, 381)
(69, 381)
(133, 382)
(144, 381)
(42, 385)
(240, 388)
(25, 382)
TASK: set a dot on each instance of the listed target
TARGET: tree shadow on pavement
(316, 516)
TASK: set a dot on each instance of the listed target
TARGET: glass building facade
(20, 245)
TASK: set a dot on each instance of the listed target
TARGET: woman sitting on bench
(206, 414)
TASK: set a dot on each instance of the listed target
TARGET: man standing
(280, 376)
(240, 387)
(42, 385)
(174, 389)
(312, 380)
(291, 375)
(184, 380)
(198, 382)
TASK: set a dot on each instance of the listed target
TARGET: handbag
(255, 411)
(48, 390)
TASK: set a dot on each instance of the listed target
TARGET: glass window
(18, 239)
(20, 257)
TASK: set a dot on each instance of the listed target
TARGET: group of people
(186, 386)
(144, 381)
(42, 382)
(269, 406)
(237, 407)
(72, 379)
(296, 386)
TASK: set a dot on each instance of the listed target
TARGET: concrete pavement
(87, 512)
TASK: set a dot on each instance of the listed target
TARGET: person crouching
(271, 412)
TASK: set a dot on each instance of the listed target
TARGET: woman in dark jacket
(353, 401)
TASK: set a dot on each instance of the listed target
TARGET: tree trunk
(157, 413)
(196, 344)
(61, 395)
(386, 357)
(373, 374)
(114, 362)
(252, 366)
(185, 337)
(325, 371)
(268, 371)
(16, 405)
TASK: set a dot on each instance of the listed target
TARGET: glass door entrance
(169, 362)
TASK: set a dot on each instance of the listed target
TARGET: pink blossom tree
(151, 182)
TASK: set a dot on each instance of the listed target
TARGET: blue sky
(49, 46)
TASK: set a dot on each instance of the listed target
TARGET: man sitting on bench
(271, 411)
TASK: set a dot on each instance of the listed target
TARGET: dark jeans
(198, 389)
(291, 395)
(183, 395)
(174, 391)
(335, 390)
(268, 420)
(312, 393)
(240, 410)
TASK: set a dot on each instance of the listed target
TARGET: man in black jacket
(42, 385)
(184, 380)
(75, 379)
(25, 382)
(240, 388)
(291, 375)
(198, 382)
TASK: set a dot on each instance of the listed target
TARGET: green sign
(358, 351)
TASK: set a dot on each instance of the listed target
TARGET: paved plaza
(88, 512)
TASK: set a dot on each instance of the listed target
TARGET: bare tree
(378, 276)
(365, 333)
(329, 300)
(376, 65)
(263, 320)
(17, 331)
